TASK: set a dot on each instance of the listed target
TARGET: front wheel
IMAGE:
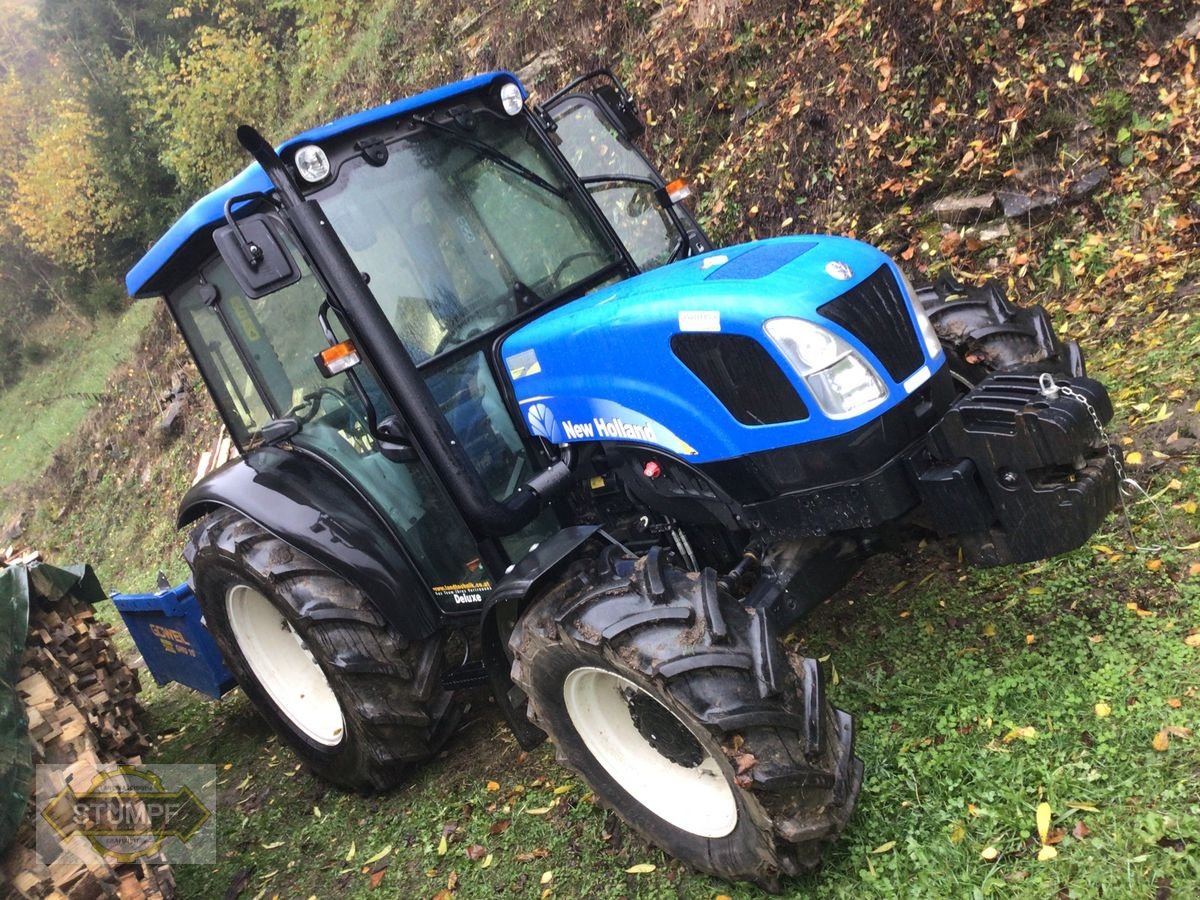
(676, 705)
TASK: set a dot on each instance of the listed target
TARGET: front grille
(874, 311)
(743, 376)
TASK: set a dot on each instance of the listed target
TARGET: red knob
(652, 470)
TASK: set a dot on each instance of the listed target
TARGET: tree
(64, 201)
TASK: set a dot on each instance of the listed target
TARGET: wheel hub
(284, 666)
(650, 752)
(663, 731)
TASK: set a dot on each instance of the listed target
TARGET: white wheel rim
(697, 799)
(284, 666)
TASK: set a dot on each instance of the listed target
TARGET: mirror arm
(253, 252)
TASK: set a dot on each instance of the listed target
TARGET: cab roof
(187, 239)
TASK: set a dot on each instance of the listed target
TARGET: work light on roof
(510, 98)
(312, 163)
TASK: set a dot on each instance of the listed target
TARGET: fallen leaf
(539, 811)
(1079, 804)
(535, 853)
(1043, 820)
(1096, 639)
(499, 826)
(442, 846)
(989, 630)
(1027, 733)
(1134, 458)
(562, 789)
(884, 848)
(377, 877)
(378, 856)
(989, 853)
(493, 785)
(350, 853)
(272, 845)
(1080, 831)
(958, 833)
(487, 862)
(1174, 702)
(1103, 710)
(452, 881)
(641, 869)
(547, 877)
(1154, 564)
(1030, 638)
(1178, 731)
(1192, 640)
(476, 852)
(1047, 853)
(1161, 741)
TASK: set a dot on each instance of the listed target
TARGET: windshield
(462, 229)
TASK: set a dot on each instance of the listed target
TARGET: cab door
(595, 128)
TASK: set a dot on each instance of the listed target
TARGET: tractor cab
(463, 215)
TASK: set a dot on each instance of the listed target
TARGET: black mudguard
(291, 494)
(509, 598)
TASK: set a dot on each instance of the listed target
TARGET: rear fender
(504, 606)
(302, 500)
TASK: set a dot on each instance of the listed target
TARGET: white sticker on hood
(700, 320)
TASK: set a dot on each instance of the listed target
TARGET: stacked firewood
(80, 698)
(221, 451)
(69, 656)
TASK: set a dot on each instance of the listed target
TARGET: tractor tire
(356, 701)
(984, 333)
(675, 703)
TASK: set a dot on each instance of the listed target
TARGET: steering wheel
(573, 257)
(312, 400)
(472, 327)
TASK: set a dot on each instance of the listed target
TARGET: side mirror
(621, 110)
(255, 255)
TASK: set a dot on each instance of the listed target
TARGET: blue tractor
(506, 417)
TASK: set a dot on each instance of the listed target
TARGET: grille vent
(874, 311)
(742, 375)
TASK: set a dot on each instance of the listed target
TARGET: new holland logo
(839, 270)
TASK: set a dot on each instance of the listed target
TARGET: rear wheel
(677, 706)
(353, 699)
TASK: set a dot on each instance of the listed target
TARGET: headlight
(312, 163)
(510, 98)
(933, 345)
(842, 381)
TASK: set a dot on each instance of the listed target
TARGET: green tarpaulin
(16, 764)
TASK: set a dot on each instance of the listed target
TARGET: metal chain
(1126, 486)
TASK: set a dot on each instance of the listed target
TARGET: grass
(977, 698)
(44, 408)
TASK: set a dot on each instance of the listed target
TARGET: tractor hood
(678, 358)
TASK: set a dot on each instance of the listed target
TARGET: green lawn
(43, 409)
(978, 695)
